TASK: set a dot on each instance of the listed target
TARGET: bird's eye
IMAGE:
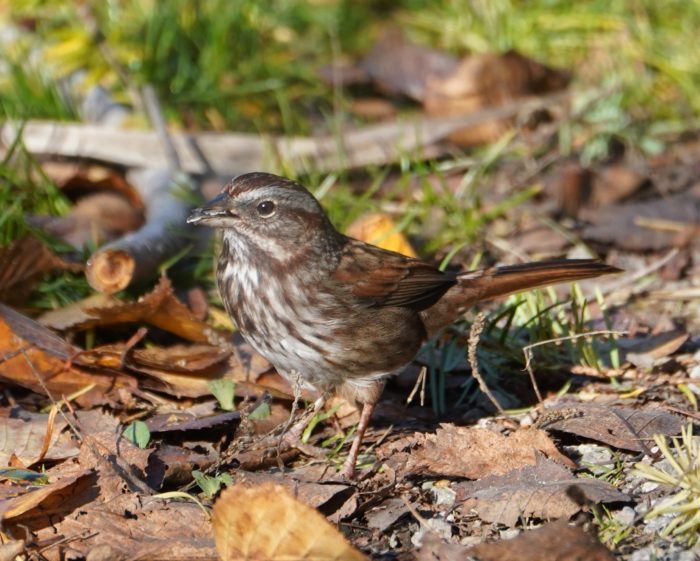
(266, 209)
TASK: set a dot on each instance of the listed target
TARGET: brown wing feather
(384, 278)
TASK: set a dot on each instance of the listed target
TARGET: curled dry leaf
(25, 438)
(621, 427)
(538, 491)
(159, 308)
(475, 453)
(38, 504)
(267, 523)
(22, 263)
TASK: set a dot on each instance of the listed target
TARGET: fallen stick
(137, 256)
(229, 154)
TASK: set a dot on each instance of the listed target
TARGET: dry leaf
(40, 503)
(267, 523)
(24, 438)
(159, 307)
(309, 484)
(386, 514)
(22, 264)
(538, 491)
(96, 218)
(475, 453)
(488, 80)
(557, 541)
(401, 68)
(30, 353)
(645, 352)
(621, 427)
(379, 229)
(648, 225)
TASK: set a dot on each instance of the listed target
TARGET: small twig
(417, 515)
(692, 414)
(527, 352)
(155, 114)
(420, 382)
(474, 334)
(134, 340)
(53, 400)
(296, 380)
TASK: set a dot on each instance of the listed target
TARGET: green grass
(252, 65)
(24, 189)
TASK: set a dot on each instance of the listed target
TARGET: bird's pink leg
(348, 471)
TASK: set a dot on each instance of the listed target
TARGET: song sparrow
(342, 314)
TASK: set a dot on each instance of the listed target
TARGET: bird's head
(268, 213)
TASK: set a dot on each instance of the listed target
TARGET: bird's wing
(383, 278)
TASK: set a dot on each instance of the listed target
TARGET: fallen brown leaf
(36, 506)
(643, 353)
(186, 428)
(96, 218)
(113, 508)
(475, 453)
(398, 67)
(31, 353)
(22, 263)
(159, 307)
(652, 224)
(386, 514)
(119, 464)
(488, 80)
(538, 491)
(267, 523)
(621, 427)
(557, 541)
(23, 438)
(335, 500)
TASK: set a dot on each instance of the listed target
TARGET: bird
(335, 313)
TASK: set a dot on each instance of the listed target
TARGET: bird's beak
(214, 213)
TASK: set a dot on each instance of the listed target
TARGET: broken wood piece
(137, 256)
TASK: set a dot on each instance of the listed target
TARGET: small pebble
(509, 534)
(648, 487)
(625, 516)
(443, 496)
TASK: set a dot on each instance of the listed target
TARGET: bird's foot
(348, 472)
(292, 436)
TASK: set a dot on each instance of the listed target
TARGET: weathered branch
(229, 154)
(137, 256)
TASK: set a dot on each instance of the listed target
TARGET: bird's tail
(501, 281)
(484, 284)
